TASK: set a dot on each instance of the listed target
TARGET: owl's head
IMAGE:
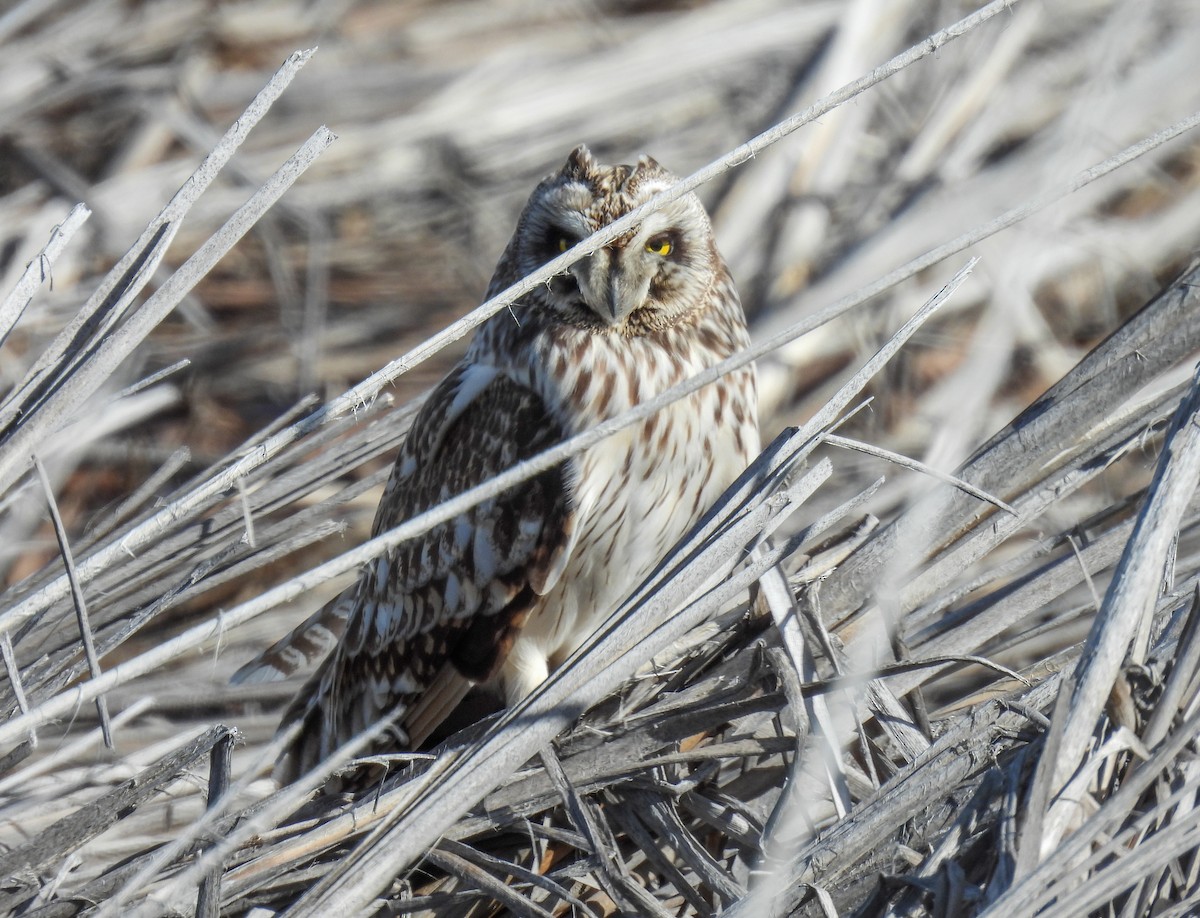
(645, 279)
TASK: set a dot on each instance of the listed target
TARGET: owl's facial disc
(649, 276)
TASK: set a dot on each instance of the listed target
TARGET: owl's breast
(634, 495)
(638, 491)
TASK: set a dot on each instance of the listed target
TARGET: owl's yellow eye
(659, 245)
(563, 244)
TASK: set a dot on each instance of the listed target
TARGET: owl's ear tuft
(647, 164)
(580, 162)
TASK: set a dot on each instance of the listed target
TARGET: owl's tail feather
(311, 640)
(308, 749)
(320, 736)
(429, 709)
(328, 719)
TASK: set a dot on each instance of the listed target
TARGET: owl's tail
(312, 742)
(337, 707)
(311, 640)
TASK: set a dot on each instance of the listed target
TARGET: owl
(505, 592)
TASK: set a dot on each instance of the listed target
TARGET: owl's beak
(618, 293)
(610, 288)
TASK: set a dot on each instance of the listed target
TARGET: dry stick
(247, 513)
(27, 399)
(917, 466)
(1103, 444)
(151, 529)
(1185, 664)
(790, 826)
(14, 678)
(39, 269)
(1161, 334)
(1014, 603)
(73, 831)
(663, 816)
(118, 344)
(152, 244)
(522, 874)
(1112, 856)
(67, 752)
(786, 838)
(635, 823)
(1150, 855)
(486, 886)
(849, 390)
(961, 752)
(265, 816)
(345, 825)
(1166, 813)
(783, 818)
(584, 820)
(142, 494)
(1131, 597)
(1030, 891)
(157, 376)
(81, 616)
(208, 899)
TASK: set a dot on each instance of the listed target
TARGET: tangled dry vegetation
(889, 690)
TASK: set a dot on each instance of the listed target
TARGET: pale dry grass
(850, 716)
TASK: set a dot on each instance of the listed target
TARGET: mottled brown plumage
(509, 589)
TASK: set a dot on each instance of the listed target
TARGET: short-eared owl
(509, 589)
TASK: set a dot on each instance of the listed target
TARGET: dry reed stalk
(927, 650)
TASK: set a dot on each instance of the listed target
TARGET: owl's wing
(312, 639)
(440, 612)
